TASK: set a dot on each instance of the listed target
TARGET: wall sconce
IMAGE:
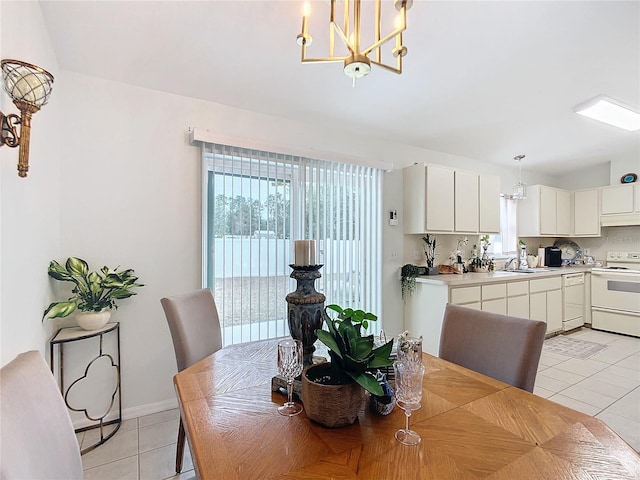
(29, 87)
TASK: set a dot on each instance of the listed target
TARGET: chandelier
(358, 58)
(520, 189)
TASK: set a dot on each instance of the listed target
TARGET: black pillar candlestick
(305, 308)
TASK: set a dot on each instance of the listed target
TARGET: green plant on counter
(430, 249)
(93, 291)
(352, 355)
(408, 275)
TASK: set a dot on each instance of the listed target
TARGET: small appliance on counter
(552, 257)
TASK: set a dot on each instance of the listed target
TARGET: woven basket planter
(330, 405)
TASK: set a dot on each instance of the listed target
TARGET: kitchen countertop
(498, 276)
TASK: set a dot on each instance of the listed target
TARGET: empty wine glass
(290, 366)
(408, 396)
(409, 349)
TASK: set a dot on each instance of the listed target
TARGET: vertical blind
(256, 204)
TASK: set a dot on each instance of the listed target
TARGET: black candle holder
(305, 308)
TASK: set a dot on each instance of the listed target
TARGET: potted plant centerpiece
(95, 293)
(333, 392)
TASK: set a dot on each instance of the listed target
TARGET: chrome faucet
(508, 263)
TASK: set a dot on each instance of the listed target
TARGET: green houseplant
(408, 274)
(333, 392)
(92, 291)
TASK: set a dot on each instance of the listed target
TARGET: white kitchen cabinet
(545, 302)
(564, 224)
(518, 299)
(545, 212)
(489, 203)
(466, 204)
(494, 298)
(428, 199)
(466, 296)
(617, 199)
(620, 205)
(586, 213)
(439, 199)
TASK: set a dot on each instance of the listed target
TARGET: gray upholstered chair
(195, 330)
(36, 434)
(502, 347)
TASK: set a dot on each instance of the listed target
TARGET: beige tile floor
(606, 386)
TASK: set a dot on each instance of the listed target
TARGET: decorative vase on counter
(93, 320)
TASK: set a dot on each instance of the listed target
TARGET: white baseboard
(133, 412)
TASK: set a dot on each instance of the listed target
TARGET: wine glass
(408, 396)
(410, 349)
(290, 366)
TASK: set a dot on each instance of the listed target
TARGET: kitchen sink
(509, 273)
(531, 270)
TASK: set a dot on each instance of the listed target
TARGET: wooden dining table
(472, 426)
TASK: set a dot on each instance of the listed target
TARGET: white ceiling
(485, 80)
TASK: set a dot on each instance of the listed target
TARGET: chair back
(502, 347)
(37, 436)
(194, 325)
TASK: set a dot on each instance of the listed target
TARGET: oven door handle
(617, 274)
(609, 310)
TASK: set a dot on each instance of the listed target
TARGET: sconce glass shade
(24, 82)
(29, 87)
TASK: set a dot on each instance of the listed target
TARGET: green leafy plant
(408, 274)
(430, 249)
(93, 291)
(352, 355)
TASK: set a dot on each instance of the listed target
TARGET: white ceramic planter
(93, 320)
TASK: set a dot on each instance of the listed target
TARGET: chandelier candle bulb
(305, 252)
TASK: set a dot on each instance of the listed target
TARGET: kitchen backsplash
(617, 239)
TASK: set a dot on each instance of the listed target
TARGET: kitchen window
(506, 243)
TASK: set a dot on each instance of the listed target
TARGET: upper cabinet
(489, 203)
(444, 200)
(620, 205)
(545, 212)
(586, 213)
(466, 205)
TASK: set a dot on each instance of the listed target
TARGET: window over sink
(506, 243)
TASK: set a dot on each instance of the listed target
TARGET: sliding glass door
(257, 203)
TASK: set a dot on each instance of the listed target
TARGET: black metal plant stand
(73, 334)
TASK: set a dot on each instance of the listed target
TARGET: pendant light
(519, 189)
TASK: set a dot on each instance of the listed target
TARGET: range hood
(620, 219)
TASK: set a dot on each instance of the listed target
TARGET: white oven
(615, 294)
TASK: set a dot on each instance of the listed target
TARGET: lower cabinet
(545, 302)
(518, 299)
(494, 298)
(539, 299)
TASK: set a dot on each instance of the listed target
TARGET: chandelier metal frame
(358, 64)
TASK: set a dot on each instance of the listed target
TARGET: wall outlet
(393, 256)
(587, 251)
(416, 255)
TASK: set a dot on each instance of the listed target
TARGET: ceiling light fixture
(357, 63)
(29, 87)
(519, 189)
(611, 111)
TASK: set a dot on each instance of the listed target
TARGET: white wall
(622, 166)
(30, 207)
(594, 176)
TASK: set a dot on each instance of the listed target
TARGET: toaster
(552, 257)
